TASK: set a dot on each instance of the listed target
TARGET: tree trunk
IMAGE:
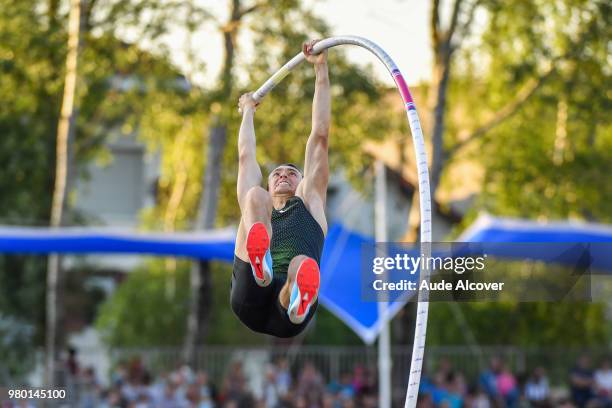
(198, 320)
(201, 280)
(560, 147)
(440, 90)
(65, 131)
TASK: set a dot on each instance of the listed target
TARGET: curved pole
(418, 349)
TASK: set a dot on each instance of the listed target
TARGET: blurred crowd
(499, 387)
(133, 385)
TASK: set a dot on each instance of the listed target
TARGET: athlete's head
(284, 179)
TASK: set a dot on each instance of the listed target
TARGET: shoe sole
(308, 281)
(258, 243)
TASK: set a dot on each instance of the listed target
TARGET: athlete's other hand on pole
(317, 59)
(247, 103)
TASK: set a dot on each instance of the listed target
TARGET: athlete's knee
(294, 265)
(257, 196)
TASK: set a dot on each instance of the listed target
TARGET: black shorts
(258, 307)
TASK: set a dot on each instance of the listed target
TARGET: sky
(400, 27)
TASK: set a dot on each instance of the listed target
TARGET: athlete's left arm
(316, 167)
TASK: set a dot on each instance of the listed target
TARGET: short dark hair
(293, 166)
(287, 165)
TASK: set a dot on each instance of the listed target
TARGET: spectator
(270, 390)
(310, 386)
(113, 398)
(446, 390)
(136, 370)
(346, 388)
(453, 391)
(346, 401)
(581, 382)
(234, 386)
(195, 399)
(359, 378)
(476, 398)
(170, 398)
(301, 402)
(142, 401)
(119, 374)
(603, 383)
(283, 377)
(368, 396)
(507, 386)
(157, 389)
(89, 389)
(445, 367)
(231, 404)
(425, 401)
(208, 392)
(329, 400)
(369, 400)
(72, 362)
(488, 379)
(537, 390)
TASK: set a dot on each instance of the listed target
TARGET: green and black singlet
(294, 232)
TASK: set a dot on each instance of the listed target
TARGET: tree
(201, 280)
(65, 133)
(534, 119)
(32, 46)
(535, 54)
(30, 89)
(141, 313)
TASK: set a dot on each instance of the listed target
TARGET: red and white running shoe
(258, 248)
(304, 291)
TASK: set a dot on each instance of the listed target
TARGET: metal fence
(333, 361)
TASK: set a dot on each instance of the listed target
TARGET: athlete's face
(284, 180)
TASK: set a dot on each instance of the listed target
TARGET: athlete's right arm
(246, 136)
(249, 173)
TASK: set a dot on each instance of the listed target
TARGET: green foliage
(16, 348)
(32, 55)
(535, 324)
(148, 308)
(172, 125)
(522, 43)
(225, 326)
(30, 87)
(22, 284)
(327, 329)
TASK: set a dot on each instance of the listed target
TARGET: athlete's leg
(249, 300)
(256, 207)
(301, 289)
